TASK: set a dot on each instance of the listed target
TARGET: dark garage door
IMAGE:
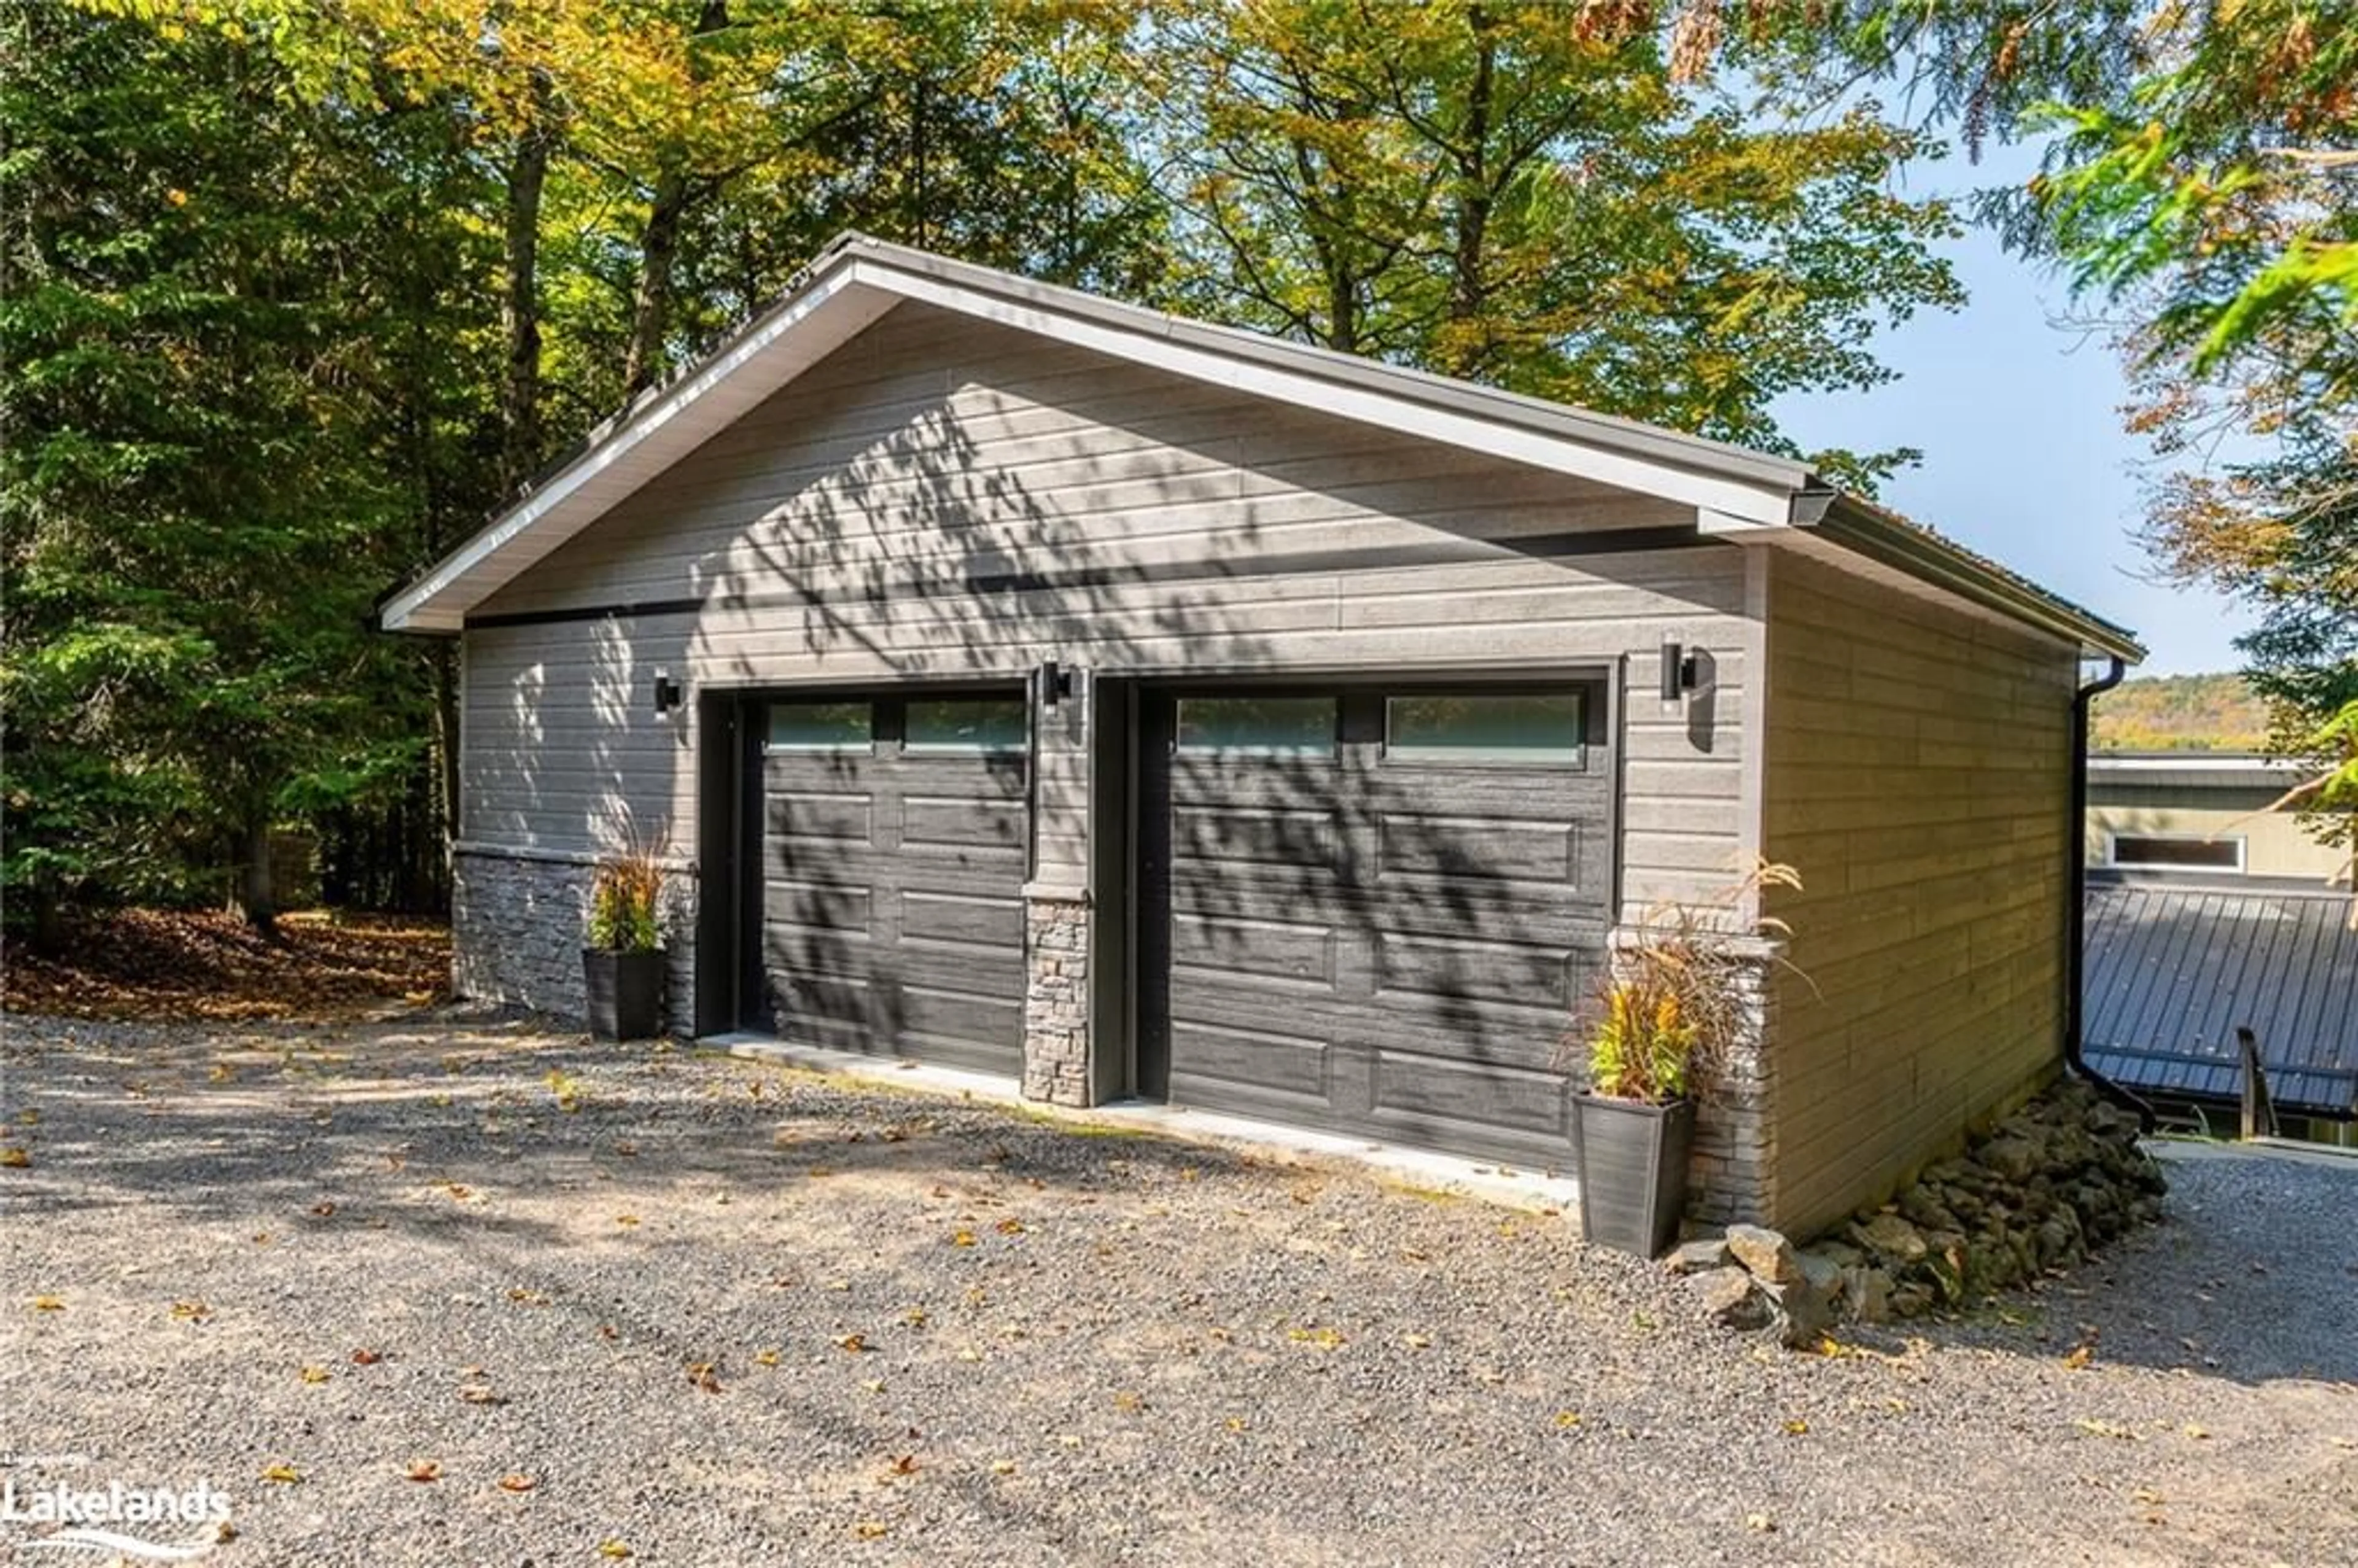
(1380, 906)
(892, 856)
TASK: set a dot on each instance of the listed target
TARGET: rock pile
(2060, 1177)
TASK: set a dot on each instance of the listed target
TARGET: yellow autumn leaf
(1324, 1338)
(962, 1238)
(1797, 1427)
(13, 1158)
(2105, 1429)
(48, 1303)
(765, 1357)
(870, 1529)
(1002, 1466)
(518, 1482)
(1567, 1418)
(613, 1549)
(282, 1476)
(1010, 1226)
(914, 1317)
(2191, 1430)
(425, 1470)
(315, 1374)
(2080, 1357)
(1417, 1341)
(626, 1219)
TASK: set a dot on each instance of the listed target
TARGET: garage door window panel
(1487, 729)
(951, 726)
(822, 726)
(1256, 726)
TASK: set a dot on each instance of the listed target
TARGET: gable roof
(1743, 495)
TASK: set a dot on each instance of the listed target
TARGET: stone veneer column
(516, 923)
(1056, 993)
(1730, 1172)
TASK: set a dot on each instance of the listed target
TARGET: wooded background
(297, 291)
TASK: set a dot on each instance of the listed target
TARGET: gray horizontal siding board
(931, 449)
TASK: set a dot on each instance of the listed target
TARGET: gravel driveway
(700, 1311)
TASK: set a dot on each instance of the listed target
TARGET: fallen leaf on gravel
(701, 1373)
(1010, 1226)
(2080, 1357)
(969, 1353)
(1234, 1423)
(870, 1529)
(322, 1210)
(526, 1298)
(2147, 1495)
(765, 1357)
(13, 1158)
(459, 1192)
(1760, 1523)
(425, 1470)
(367, 1357)
(481, 1394)
(48, 1303)
(283, 1476)
(1567, 1418)
(902, 1465)
(1324, 1338)
(626, 1219)
(1417, 1341)
(190, 1312)
(851, 1343)
(518, 1483)
(627, 1150)
(962, 1238)
(1128, 1403)
(1797, 1427)
(2105, 1429)
(1002, 1466)
(873, 1385)
(219, 1072)
(2198, 1432)
(315, 1374)
(30, 1118)
(608, 1331)
(613, 1549)
(914, 1317)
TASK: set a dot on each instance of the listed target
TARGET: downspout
(2075, 894)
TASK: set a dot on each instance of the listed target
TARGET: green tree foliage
(186, 486)
(1521, 194)
(298, 290)
(2181, 713)
(2201, 191)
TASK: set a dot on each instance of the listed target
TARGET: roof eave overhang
(1739, 496)
(1924, 556)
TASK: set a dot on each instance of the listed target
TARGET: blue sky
(2025, 459)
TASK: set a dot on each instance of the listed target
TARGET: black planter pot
(1633, 1170)
(626, 993)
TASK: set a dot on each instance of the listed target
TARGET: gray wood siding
(1918, 777)
(947, 497)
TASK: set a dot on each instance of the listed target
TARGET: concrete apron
(1420, 1169)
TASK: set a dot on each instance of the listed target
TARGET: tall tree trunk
(445, 744)
(650, 304)
(1468, 293)
(520, 305)
(257, 895)
(675, 190)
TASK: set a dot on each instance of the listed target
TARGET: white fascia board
(1757, 505)
(684, 417)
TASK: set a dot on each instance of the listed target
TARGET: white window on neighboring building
(2173, 851)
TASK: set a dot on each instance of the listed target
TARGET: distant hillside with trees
(2181, 713)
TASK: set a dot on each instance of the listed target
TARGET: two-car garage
(1368, 907)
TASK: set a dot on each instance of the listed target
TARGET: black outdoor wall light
(1679, 674)
(668, 694)
(1051, 682)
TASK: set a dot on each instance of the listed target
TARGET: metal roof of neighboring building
(2195, 770)
(2173, 972)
